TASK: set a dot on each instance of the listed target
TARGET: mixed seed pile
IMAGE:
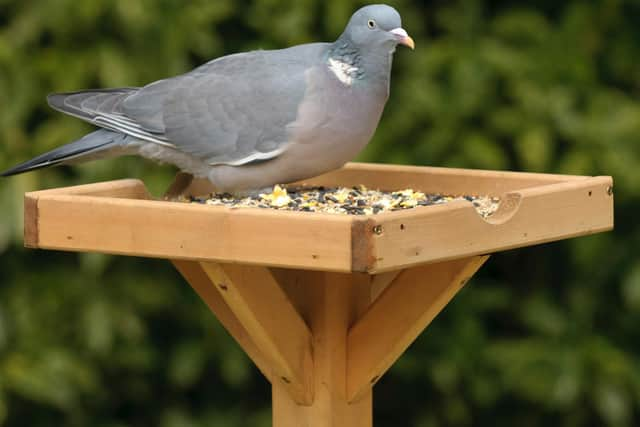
(352, 201)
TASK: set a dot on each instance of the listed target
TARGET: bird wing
(233, 110)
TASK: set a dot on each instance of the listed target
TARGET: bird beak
(403, 38)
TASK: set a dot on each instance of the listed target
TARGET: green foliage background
(546, 335)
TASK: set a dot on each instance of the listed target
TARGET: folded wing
(234, 110)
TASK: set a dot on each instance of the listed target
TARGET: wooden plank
(424, 178)
(272, 322)
(194, 274)
(330, 302)
(380, 282)
(31, 231)
(362, 256)
(436, 180)
(527, 217)
(125, 189)
(122, 189)
(398, 316)
(184, 231)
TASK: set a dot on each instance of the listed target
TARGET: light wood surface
(324, 304)
(194, 274)
(182, 231)
(347, 341)
(423, 178)
(380, 282)
(117, 218)
(119, 189)
(399, 315)
(330, 302)
(526, 217)
(272, 322)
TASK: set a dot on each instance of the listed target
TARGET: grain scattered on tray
(344, 200)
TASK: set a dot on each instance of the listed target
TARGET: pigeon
(247, 121)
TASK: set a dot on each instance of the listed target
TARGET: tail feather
(89, 103)
(141, 119)
(94, 145)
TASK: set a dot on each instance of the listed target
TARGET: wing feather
(234, 110)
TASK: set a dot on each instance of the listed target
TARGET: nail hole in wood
(377, 229)
(401, 226)
(286, 380)
(223, 286)
(590, 192)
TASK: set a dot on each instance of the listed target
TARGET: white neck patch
(343, 71)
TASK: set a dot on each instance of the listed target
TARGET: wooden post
(323, 339)
(330, 303)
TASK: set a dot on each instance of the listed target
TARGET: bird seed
(343, 200)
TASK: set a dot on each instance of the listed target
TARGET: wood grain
(31, 232)
(398, 316)
(117, 218)
(380, 282)
(436, 180)
(269, 318)
(532, 216)
(183, 231)
(330, 302)
(121, 189)
(424, 178)
(194, 274)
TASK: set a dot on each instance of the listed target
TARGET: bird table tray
(325, 303)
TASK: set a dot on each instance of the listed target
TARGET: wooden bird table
(324, 304)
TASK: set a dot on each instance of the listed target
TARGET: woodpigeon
(249, 120)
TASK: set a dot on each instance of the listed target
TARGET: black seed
(331, 198)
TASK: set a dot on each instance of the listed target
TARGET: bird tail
(99, 144)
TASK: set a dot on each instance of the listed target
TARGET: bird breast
(335, 121)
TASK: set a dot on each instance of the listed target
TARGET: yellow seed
(342, 194)
(278, 198)
(409, 203)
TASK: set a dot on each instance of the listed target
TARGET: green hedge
(543, 335)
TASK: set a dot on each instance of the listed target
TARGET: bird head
(377, 27)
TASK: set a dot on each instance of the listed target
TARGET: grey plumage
(250, 120)
(93, 145)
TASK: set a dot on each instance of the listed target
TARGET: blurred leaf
(631, 288)
(187, 364)
(543, 336)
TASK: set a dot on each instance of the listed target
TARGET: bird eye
(371, 23)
